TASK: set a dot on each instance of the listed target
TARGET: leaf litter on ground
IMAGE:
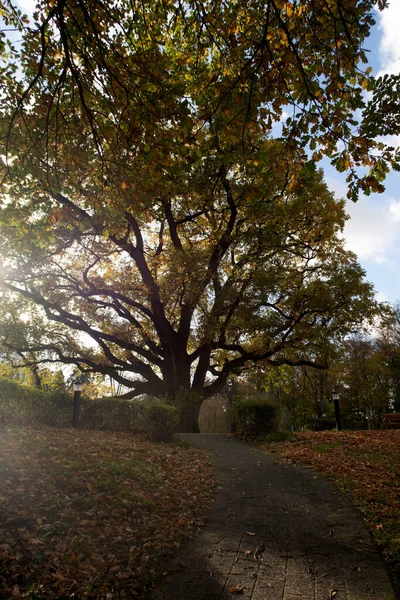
(366, 465)
(93, 514)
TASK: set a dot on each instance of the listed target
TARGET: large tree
(146, 207)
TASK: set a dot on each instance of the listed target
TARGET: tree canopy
(161, 220)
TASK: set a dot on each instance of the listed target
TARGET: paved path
(276, 532)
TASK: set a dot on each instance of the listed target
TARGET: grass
(89, 514)
(366, 465)
(327, 447)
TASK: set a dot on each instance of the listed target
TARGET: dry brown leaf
(73, 528)
(237, 589)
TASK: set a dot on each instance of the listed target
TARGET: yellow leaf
(365, 84)
(289, 9)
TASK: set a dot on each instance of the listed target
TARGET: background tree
(388, 344)
(364, 383)
(146, 209)
(303, 391)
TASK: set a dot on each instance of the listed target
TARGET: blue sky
(373, 230)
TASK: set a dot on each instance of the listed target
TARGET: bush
(253, 417)
(161, 420)
(112, 413)
(324, 424)
(25, 405)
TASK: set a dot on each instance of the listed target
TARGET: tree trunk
(77, 408)
(36, 377)
(321, 393)
(189, 419)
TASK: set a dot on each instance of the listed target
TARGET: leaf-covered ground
(366, 465)
(92, 514)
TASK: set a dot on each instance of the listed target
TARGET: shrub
(112, 413)
(161, 420)
(324, 424)
(252, 417)
(22, 404)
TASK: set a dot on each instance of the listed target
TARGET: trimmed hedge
(253, 417)
(160, 420)
(153, 417)
(25, 405)
(112, 413)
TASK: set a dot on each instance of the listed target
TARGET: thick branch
(172, 225)
(79, 324)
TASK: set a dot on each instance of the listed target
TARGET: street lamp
(335, 398)
(77, 401)
(230, 394)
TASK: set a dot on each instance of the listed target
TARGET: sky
(373, 229)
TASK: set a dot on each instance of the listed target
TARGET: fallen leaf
(68, 513)
(259, 551)
(238, 589)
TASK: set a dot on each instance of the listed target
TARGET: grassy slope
(367, 466)
(92, 513)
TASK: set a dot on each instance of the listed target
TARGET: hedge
(160, 420)
(112, 413)
(25, 405)
(253, 417)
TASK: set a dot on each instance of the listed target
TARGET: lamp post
(230, 394)
(335, 398)
(77, 401)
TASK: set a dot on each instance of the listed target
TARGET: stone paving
(276, 532)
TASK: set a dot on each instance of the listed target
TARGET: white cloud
(389, 140)
(381, 297)
(390, 42)
(394, 210)
(27, 6)
(374, 224)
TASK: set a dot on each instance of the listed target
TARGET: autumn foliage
(162, 222)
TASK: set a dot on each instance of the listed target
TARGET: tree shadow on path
(276, 532)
